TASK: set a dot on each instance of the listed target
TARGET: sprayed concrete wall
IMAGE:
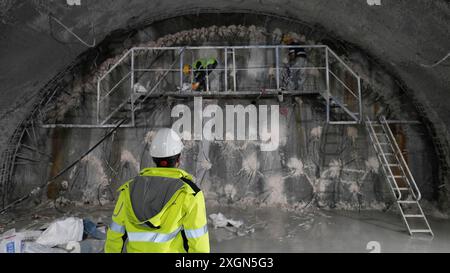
(328, 166)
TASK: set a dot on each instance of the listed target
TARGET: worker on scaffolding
(294, 74)
(201, 69)
(161, 209)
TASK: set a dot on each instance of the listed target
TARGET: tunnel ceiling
(401, 35)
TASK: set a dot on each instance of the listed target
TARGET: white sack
(61, 232)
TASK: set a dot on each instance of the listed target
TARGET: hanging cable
(438, 62)
(71, 32)
(43, 9)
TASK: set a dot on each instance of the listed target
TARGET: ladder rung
(396, 176)
(394, 165)
(402, 189)
(414, 215)
(406, 202)
(420, 230)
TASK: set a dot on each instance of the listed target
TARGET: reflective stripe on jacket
(161, 210)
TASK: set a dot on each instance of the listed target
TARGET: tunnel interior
(316, 164)
(331, 165)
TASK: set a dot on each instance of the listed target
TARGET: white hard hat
(166, 143)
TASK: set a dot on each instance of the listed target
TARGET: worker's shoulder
(125, 186)
(172, 173)
(166, 172)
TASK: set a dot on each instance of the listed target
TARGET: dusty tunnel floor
(269, 229)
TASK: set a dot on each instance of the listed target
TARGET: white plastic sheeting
(62, 232)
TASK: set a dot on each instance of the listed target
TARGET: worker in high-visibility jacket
(201, 69)
(162, 209)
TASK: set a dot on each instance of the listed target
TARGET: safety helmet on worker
(187, 69)
(166, 143)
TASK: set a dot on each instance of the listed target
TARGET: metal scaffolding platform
(146, 73)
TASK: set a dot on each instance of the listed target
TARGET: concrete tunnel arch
(115, 43)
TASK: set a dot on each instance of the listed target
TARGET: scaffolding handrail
(136, 52)
(115, 65)
(100, 98)
(223, 69)
(235, 47)
(163, 76)
(343, 84)
(355, 93)
(115, 86)
(342, 62)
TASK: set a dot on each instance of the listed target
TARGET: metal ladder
(397, 172)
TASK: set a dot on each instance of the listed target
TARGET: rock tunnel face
(332, 166)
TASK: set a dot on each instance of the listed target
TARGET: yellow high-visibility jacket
(161, 210)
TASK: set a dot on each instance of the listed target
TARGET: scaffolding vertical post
(234, 69)
(277, 64)
(98, 100)
(328, 95)
(192, 68)
(181, 69)
(207, 78)
(132, 88)
(359, 99)
(226, 68)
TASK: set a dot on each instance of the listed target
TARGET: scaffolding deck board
(233, 94)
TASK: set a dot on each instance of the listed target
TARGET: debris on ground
(73, 247)
(234, 226)
(92, 246)
(219, 220)
(32, 247)
(306, 225)
(65, 235)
